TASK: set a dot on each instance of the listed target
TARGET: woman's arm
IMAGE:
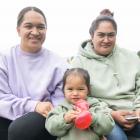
(11, 106)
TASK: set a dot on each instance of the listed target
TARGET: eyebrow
(40, 24)
(106, 32)
(34, 24)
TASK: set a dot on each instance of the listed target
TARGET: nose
(106, 39)
(75, 92)
(35, 31)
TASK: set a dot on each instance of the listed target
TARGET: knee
(14, 133)
(22, 128)
(18, 128)
(117, 134)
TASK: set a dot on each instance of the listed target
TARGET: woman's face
(104, 38)
(32, 32)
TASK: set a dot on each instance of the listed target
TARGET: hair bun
(106, 12)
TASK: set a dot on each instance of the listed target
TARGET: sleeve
(136, 101)
(102, 123)
(137, 92)
(57, 95)
(55, 123)
(11, 107)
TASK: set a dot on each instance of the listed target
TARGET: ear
(18, 31)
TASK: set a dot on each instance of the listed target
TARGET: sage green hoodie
(115, 79)
(102, 122)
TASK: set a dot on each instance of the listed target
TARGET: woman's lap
(28, 127)
(4, 124)
(119, 134)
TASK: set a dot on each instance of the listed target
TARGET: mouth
(34, 40)
(106, 46)
(75, 99)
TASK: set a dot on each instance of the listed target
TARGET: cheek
(84, 96)
(113, 42)
(44, 36)
(23, 34)
(66, 96)
(43, 33)
(96, 42)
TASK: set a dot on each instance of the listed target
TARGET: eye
(101, 35)
(111, 34)
(28, 26)
(81, 89)
(41, 27)
(69, 89)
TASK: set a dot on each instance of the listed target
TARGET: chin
(35, 49)
(35, 45)
(105, 52)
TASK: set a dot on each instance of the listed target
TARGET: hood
(87, 51)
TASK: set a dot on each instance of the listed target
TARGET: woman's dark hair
(77, 71)
(27, 9)
(105, 15)
(107, 12)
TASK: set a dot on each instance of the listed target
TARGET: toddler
(79, 117)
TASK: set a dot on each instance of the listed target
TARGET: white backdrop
(69, 21)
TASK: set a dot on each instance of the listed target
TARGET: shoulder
(7, 54)
(55, 59)
(51, 54)
(10, 52)
(127, 54)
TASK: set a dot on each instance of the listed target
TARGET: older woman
(30, 81)
(116, 75)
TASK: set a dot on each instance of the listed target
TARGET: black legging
(29, 127)
(4, 124)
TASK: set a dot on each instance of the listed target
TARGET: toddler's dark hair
(77, 71)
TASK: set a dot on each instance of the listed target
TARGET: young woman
(115, 75)
(30, 81)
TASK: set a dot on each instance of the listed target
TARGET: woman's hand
(137, 113)
(43, 108)
(119, 117)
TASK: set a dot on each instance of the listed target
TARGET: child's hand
(70, 116)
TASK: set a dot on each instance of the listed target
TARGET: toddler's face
(75, 88)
